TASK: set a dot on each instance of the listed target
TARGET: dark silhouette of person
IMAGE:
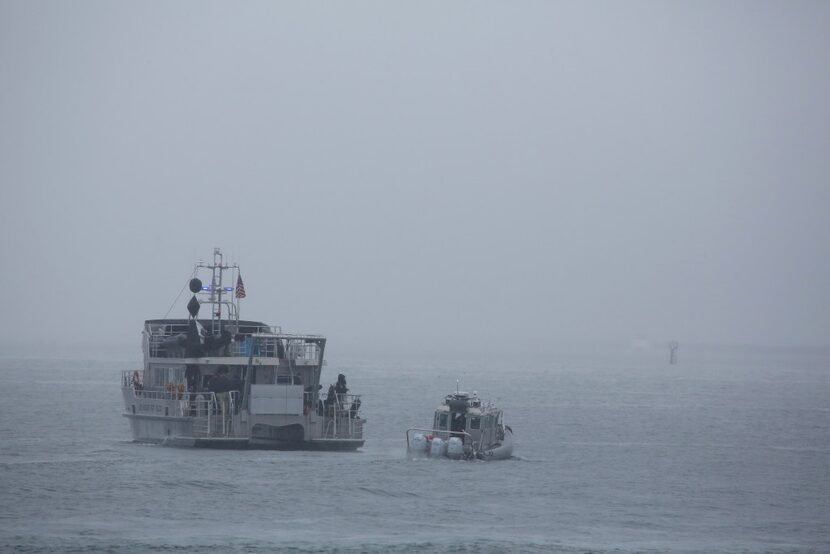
(340, 387)
(458, 425)
(220, 385)
(330, 401)
(354, 408)
(193, 376)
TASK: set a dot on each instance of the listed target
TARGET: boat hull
(325, 445)
(322, 445)
(179, 432)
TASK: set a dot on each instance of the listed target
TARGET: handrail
(343, 408)
(159, 347)
(267, 342)
(174, 395)
(340, 403)
(201, 407)
(206, 396)
(127, 377)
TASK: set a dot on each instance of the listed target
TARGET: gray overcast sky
(424, 171)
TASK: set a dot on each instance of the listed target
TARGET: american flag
(240, 288)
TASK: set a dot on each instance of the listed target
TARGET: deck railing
(160, 342)
(341, 416)
(211, 414)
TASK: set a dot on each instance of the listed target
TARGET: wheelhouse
(464, 416)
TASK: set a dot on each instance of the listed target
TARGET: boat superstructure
(464, 427)
(224, 382)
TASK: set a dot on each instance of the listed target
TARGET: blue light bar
(208, 288)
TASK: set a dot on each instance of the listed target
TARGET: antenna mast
(216, 290)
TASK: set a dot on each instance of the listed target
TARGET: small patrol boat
(464, 427)
(223, 382)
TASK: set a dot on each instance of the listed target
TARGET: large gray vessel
(224, 382)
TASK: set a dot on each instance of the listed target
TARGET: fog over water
(532, 197)
(616, 452)
(432, 173)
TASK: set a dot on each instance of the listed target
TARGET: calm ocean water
(728, 451)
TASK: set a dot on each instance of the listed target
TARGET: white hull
(156, 420)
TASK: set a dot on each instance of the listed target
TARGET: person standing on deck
(340, 390)
(220, 385)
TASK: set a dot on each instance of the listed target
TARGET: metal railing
(129, 377)
(212, 414)
(159, 342)
(341, 416)
(303, 353)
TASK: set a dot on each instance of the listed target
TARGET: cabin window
(488, 422)
(160, 376)
(289, 380)
(475, 422)
(442, 421)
